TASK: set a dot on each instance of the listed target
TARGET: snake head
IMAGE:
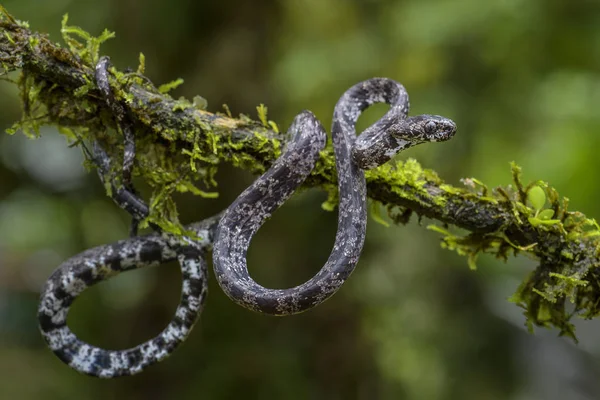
(425, 128)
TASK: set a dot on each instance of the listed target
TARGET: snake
(95, 265)
(229, 233)
(103, 262)
(124, 124)
(391, 134)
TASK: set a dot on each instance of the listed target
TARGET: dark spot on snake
(65, 355)
(159, 341)
(178, 323)
(114, 262)
(61, 294)
(134, 356)
(151, 252)
(196, 286)
(85, 274)
(46, 324)
(189, 317)
(102, 360)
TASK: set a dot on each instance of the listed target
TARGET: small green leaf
(105, 35)
(200, 103)
(10, 39)
(472, 261)
(142, 65)
(274, 126)
(535, 221)
(262, 114)
(376, 214)
(227, 110)
(167, 87)
(332, 198)
(546, 214)
(81, 91)
(537, 197)
(438, 229)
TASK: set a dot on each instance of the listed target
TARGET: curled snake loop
(75, 275)
(392, 133)
(92, 266)
(230, 233)
(103, 262)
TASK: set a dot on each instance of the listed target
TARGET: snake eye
(430, 127)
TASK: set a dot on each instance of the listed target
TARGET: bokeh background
(520, 77)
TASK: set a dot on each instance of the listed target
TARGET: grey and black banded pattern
(230, 233)
(378, 144)
(101, 263)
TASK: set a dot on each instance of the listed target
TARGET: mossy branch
(179, 142)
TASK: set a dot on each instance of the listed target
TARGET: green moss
(262, 115)
(409, 181)
(80, 42)
(167, 87)
(333, 198)
(9, 37)
(560, 276)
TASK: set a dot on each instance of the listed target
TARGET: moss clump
(563, 275)
(166, 167)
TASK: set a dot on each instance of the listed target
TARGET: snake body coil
(100, 263)
(236, 227)
(252, 208)
(255, 205)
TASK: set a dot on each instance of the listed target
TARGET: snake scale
(229, 234)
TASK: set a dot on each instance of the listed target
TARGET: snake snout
(425, 128)
(447, 131)
(438, 128)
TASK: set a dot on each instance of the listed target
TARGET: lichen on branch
(180, 145)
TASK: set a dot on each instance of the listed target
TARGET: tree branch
(179, 142)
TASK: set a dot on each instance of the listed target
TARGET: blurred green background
(521, 78)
